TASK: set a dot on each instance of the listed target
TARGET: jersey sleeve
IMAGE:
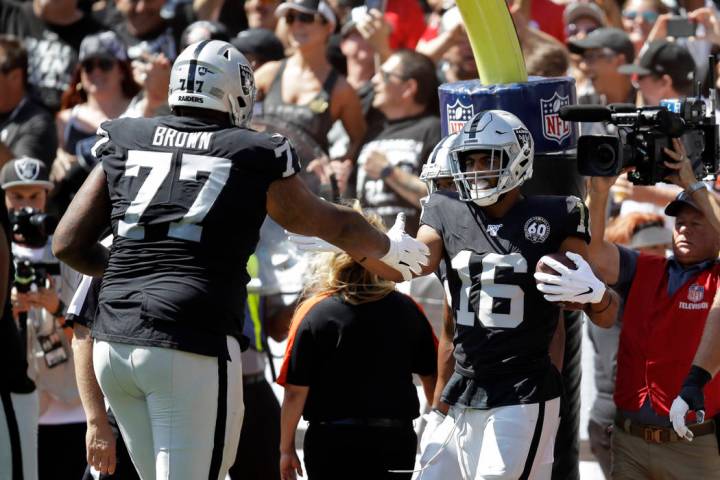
(284, 161)
(577, 222)
(431, 213)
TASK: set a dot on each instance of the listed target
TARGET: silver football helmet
(213, 74)
(438, 165)
(509, 145)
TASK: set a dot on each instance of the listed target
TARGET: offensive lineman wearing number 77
(185, 196)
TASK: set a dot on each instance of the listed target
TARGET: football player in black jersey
(185, 196)
(505, 392)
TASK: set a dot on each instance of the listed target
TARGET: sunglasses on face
(648, 17)
(386, 76)
(104, 64)
(573, 29)
(595, 55)
(301, 17)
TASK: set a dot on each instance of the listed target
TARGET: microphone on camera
(585, 113)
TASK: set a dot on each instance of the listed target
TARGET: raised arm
(77, 238)
(602, 255)
(292, 205)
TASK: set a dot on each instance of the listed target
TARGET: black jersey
(188, 199)
(503, 324)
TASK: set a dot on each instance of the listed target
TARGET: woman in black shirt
(354, 344)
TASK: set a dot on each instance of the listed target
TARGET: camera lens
(605, 160)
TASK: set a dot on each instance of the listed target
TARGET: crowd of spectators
(356, 92)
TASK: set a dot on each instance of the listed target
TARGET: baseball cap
(261, 42)
(307, 6)
(103, 44)
(25, 171)
(613, 38)
(682, 199)
(664, 57)
(576, 10)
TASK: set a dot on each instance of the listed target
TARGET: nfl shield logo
(696, 293)
(554, 128)
(457, 115)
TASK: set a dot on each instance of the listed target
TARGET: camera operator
(41, 287)
(666, 304)
(666, 70)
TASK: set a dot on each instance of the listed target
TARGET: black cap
(104, 44)
(613, 38)
(664, 57)
(25, 171)
(682, 199)
(261, 42)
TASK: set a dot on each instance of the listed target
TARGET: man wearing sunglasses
(665, 70)
(603, 51)
(388, 182)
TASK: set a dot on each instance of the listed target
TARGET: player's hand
(311, 244)
(580, 285)
(406, 255)
(433, 420)
(290, 466)
(691, 398)
(100, 445)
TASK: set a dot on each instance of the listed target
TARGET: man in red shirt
(666, 305)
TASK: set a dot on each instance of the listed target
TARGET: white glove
(678, 410)
(406, 255)
(311, 244)
(579, 285)
(433, 420)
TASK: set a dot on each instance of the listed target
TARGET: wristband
(590, 311)
(387, 171)
(699, 185)
(698, 376)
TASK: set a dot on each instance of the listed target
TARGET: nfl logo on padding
(457, 115)
(696, 293)
(554, 128)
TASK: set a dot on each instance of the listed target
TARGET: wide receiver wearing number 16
(505, 390)
(185, 196)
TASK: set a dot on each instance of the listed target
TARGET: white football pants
(179, 413)
(503, 443)
(19, 435)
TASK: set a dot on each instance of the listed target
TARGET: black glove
(692, 391)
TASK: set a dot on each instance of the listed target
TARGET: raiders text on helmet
(213, 74)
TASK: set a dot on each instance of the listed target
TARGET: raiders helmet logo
(524, 139)
(27, 169)
(246, 78)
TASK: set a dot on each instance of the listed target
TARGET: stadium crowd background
(355, 91)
